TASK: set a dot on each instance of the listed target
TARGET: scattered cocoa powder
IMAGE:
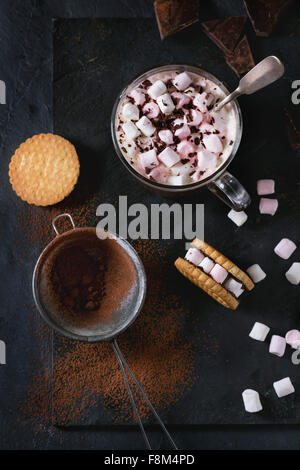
(156, 347)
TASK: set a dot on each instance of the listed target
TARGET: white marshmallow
(181, 169)
(148, 159)
(130, 130)
(277, 345)
(166, 136)
(194, 256)
(146, 126)
(207, 264)
(285, 248)
(212, 143)
(251, 400)
(130, 148)
(236, 288)
(206, 160)
(293, 274)
(283, 387)
(178, 180)
(259, 331)
(158, 88)
(131, 111)
(165, 103)
(182, 81)
(169, 157)
(256, 273)
(239, 218)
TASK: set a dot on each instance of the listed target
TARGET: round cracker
(206, 283)
(44, 169)
(232, 268)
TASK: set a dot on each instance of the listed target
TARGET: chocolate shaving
(146, 84)
(174, 15)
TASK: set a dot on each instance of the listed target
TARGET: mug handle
(230, 191)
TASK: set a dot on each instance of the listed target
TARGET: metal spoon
(264, 73)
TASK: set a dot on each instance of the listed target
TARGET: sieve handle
(59, 217)
(122, 362)
(134, 408)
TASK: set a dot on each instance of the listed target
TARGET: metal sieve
(96, 330)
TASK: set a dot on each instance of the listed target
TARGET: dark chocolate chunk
(241, 61)
(226, 33)
(265, 14)
(210, 25)
(293, 128)
(175, 15)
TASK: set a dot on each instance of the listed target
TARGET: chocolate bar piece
(241, 60)
(293, 128)
(175, 15)
(225, 33)
(265, 14)
(210, 25)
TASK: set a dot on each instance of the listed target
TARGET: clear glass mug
(222, 183)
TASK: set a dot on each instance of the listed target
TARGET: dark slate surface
(84, 93)
(26, 67)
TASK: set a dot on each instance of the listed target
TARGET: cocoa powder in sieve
(84, 279)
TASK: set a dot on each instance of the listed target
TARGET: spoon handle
(227, 99)
(263, 74)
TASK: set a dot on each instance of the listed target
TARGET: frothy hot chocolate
(168, 131)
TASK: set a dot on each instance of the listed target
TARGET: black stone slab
(93, 60)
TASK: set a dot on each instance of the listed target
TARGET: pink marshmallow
(212, 143)
(148, 159)
(159, 174)
(218, 273)
(180, 98)
(151, 110)
(183, 132)
(182, 81)
(168, 157)
(185, 148)
(206, 160)
(292, 338)
(268, 206)
(196, 118)
(194, 256)
(277, 345)
(138, 96)
(265, 187)
(166, 136)
(285, 248)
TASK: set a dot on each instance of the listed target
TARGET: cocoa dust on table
(156, 347)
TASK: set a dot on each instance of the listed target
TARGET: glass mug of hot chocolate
(168, 136)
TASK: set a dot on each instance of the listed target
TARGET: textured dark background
(26, 65)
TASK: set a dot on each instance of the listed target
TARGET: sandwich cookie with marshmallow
(214, 273)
